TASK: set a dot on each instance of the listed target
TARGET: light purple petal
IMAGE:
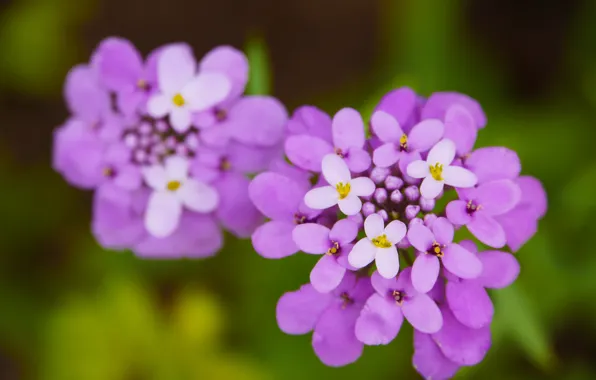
(275, 195)
(387, 261)
(461, 262)
(198, 196)
(384, 286)
(335, 170)
(159, 105)
(231, 62)
(470, 303)
(428, 359)
(518, 226)
(487, 230)
(533, 195)
(362, 254)
(418, 169)
(252, 159)
(350, 205)
(425, 272)
(236, 212)
(374, 226)
(425, 134)
(348, 129)
(273, 240)
(163, 213)
(469, 245)
(206, 90)
(421, 237)
(457, 176)
(498, 197)
(443, 153)
(443, 231)
(457, 213)
(404, 162)
(321, 198)
(311, 238)
(307, 152)
(493, 163)
(311, 121)
(176, 66)
(395, 231)
(358, 160)
(84, 97)
(461, 344)
(499, 269)
(362, 186)
(344, 231)
(258, 120)
(401, 104)
(386, 127)
(297, 312)
(334, 340)
(423, 313)
(438, 103)
(460, 128)
(431, 188)
(120, 65)
(327, 274)
(387, 155)
(379, 321)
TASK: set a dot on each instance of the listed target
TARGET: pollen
(343, 189)
(403, 142)
(173, 185)
(436, 250)
(107, 172)
(436, 171)
(398, 297)
(225, 164)
(381, 241)
(178, 100)
(142, 84)
(339, 152)
(334, 249)
(346, 300)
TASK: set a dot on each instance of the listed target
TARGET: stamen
(472, 207)
(398, 296)
(436, 171)
(381, 241)
(436, 250)
(178, 100)
(299, 218)
(225, 164)
(339, 152)
(345, 297)
(403, 142)
(334, 249)
(173, 185)
(220, 115)
(142, 84)
(343, 190)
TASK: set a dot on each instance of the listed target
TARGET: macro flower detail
(379, 245)
(343, 190)
(437, 171)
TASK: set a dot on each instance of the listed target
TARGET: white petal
(362, 254)
(459, 177)
(387, 261)
(198, 196)
(395, 231)
(155, 177)
(163, 213)
(159, 105)
(206, 90)
(362, 186)
(418, 169)
(350, 205)
(335, 170)
(443, 153)
(430, 188)
(177, 168)
(176, 66)
(180, 118)
(374, 226)
(321, 197)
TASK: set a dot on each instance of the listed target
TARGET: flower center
(108, 171)
(225, 164)
(178, 100)
(142, 84)
(220, 115)
(343, 190)
(403, 142)
(339, 152)
(436, 250)
(299, 218)
(436, 171)
(334, 249)
(398, 296)
(472, 207)
(346, 300)
(173, 185)
(381, 241)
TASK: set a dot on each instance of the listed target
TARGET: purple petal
(327, 274)
(386, 155)
(334, 340)
(344, 231)
(518, 226)
(401, 104)
(307, 152)
(470, 303)
(498, 197)
(384, 286)
(311, 238)
(311, 121)
(120, 64)
(196, 236)
(86, 100)
(258, 120)
(438, 103)
(425, 272)
(500, 269)
(533, 194)
(461, 344)
(379, 321)
(297, 312)
(443, 231)
(251, 159)
(457, 213)
(461, 262)
(358, 160)
(302, 177)
(273, 240)
(385, 127)
(423, 313)
(469, 245)
(236, 212)
(460, 128)
(231, 62)
(425, 134)
(421, 237)
(493, 163)
(275, 195)
(487, 230)
(405, 160)
(348, 129)
(428, 359)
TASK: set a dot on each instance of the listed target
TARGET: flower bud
(427, 204)
(380, 195)
(396, 196)
(429, 219)
(412, 193)
(392, 182)
(378, 174)
(368, 209)
(412, 211)
(383, 214)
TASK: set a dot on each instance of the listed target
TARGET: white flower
(344, 191)
(173, 189)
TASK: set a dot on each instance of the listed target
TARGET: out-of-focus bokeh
(70, 310)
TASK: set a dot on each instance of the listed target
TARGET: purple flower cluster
(369, 208)
(167, 143)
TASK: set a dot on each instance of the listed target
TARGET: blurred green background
(70, 310)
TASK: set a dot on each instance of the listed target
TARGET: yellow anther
(403, 141)
(343, 190)
(178, 100)
(381, 241)
(436, 171)
(173, 185)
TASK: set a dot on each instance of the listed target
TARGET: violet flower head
(388, 219)
(167, 144)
